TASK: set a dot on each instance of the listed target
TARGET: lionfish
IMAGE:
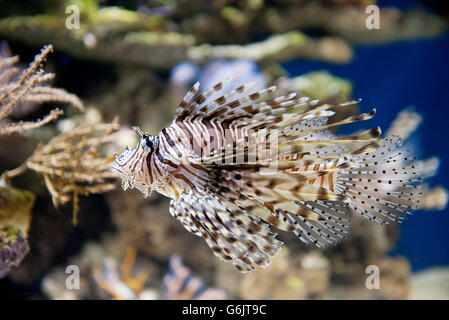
(236, 161)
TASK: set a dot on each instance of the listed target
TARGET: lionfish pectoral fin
(316, 215)
(323, 223)
(232, 234)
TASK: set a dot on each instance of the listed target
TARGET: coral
(29, 86)
(336, 273)
(103, 276)
(15, 208)
(348, 282)
(404, 125)
(94, 257)
(290, 276)
(179, 284)
(348, 22)
(430, 284)
(179, 31)
(435, 199)
(120, 284)
(319, 85)
(15, 219)
(149, 228)
(242, 71)
(149, 48)
(13, 248)
(323, 86)
(53, 283)
(72, 165)
(280, 47)
(165, 50)
(19, 88)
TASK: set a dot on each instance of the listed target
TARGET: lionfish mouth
(121, 160)
(118, 161)
(117, 169)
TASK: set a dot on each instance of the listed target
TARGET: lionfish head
(125, 164)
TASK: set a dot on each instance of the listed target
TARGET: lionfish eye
(149, 144)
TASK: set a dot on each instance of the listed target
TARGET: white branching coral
(177, 284)
(180, 284)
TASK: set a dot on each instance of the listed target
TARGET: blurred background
(135, 60)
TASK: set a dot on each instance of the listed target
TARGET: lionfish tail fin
(383, 185)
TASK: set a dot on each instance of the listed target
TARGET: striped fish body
(235, 162)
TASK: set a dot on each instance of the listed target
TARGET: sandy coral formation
(165, 50)
(348, 21)
(163, 36)
(284, 279)
(110, 271)
(282, 47)
(312, 274)
(320, 85)
(350, 282)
